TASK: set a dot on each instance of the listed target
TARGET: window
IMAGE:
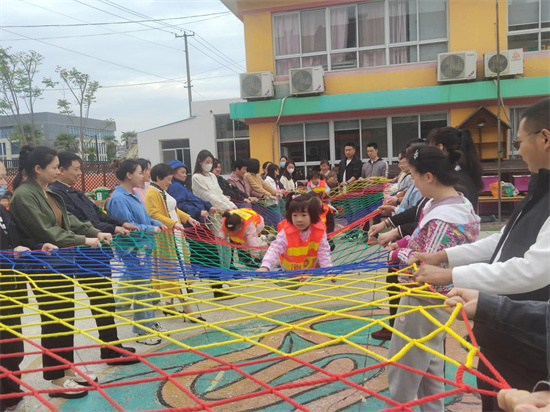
(529, 25)
(176, 149)
(233, 141)
(376, 33)
(309, 143)
(305, 143)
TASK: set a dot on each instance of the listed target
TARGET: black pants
(519, 376)
(15, 291)
(392, 279)
(100, 291)
(60, 335)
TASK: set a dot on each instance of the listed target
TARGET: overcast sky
(124, 56)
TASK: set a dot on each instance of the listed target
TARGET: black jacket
(84, 209)
(353, 169)
(407, 221)
(229, 190)
(519, 235)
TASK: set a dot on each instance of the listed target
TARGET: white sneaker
(81, 380)
(157, 328)
(72, 390)
(147, 339)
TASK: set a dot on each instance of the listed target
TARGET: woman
(258, 187)
(188, 202)
(137, 248)
(205, 186)
(287, 179)
(205, 183)
(146, 170)
(272, 176)
(170, 246)
(470, 171)
(283, 162)
(41, 215)
(228, 189)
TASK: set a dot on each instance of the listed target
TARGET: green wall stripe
(442, 94)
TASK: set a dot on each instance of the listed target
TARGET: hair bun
(115, 163)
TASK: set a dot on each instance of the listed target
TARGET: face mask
(207, 167)
(290, 171)
(282, 164)
(3, 189)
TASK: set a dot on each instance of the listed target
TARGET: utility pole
(189, 97)
(499, 144)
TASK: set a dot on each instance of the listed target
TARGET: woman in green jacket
(41, 215)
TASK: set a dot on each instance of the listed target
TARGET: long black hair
(455, 140)
(430, 159)
(201, 157)
(29, 158)
(286, 174)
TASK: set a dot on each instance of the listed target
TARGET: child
(5, 201)
(448, 219)
(302, 241)
(242, 226)
(317, 185)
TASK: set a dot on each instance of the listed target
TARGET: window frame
(387, 46)
(231, 137)
(538, 31)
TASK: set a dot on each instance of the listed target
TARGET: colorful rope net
(272, 341)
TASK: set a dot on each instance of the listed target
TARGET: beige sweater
(258, 187)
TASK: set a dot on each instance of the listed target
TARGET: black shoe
(117, 358)
(223, 295)
(170, 313)
(194, 319)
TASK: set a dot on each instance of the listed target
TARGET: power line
(221, 53)
(115, 22)
(87, 55)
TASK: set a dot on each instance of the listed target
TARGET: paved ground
(261, 317)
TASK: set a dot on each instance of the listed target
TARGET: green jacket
(35, 217)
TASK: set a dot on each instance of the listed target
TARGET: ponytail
(29, 158)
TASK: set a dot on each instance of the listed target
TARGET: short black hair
(302, 203)
(66, 159)
(350, 144)
(537, 116)
(144, 163)
(253, 166)
(372, 144)
(5, 197)
(239, 164)
(265, 164)
(160, 171)
(232, 221)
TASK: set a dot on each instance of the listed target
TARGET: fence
(94, 175)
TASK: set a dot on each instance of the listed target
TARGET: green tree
(110, 146)
(90, 154)
(67, 142)
(127, 138)
(26, 134)
(18, 89)
(83, 90)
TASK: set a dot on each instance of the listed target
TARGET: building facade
(380, 72)
(210, 128)
(50, 125)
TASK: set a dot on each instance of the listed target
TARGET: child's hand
(262, 269)
(392, 246)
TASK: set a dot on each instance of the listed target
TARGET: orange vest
(249, 216)
(318, 189)
(324, 213)
(302, 254)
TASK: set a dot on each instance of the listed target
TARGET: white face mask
(207, 167)
(290, 171)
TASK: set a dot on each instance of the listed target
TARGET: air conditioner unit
(452, 67)
(257, 85)
(511, 63)
(309, 80)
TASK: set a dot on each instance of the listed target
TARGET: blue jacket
(187, 200)
(129, 208)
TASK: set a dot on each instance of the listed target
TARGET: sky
(140, 66)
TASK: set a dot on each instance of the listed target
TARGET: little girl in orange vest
(302, 241)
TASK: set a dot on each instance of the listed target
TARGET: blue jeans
(137, 271)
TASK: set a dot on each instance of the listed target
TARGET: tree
(127, 138)
(67, 142)
(26, 134)
(110, 146)
(18, 89)
(90, 152)
(83, 91)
